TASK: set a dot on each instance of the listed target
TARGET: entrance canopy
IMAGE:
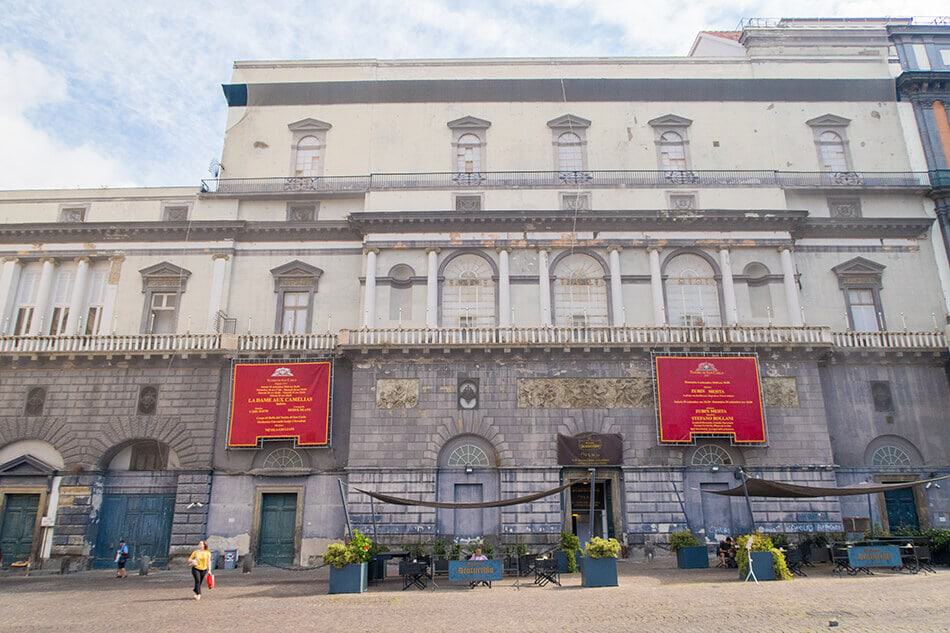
(766, 488)
(400, 501)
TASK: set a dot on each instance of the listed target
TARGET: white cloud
(31, 157)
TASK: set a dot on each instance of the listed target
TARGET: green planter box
(762, 566)
(561, 558)
(599, 572)
(349, 579)
(696, 557)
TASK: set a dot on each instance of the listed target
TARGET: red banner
(287, 400)
(709, 395)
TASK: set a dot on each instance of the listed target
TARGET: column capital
(506, 249)
(654, 248)
(615, 248)
(117, 257)
(11, 258)
(82, 259)
(724, 247)
(433, 249)
(224, 256)
(544, 249)
(51, 260)
(374, 251)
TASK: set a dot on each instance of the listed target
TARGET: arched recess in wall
(142, 454)
(691, 285)
(468, 290)
(400, 292)
(468, 473)
(36, 449)
(761, 309)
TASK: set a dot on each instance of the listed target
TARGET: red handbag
(210, 579)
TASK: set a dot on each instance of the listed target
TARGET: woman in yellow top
(200, 561)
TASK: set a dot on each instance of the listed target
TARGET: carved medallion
(148, 400)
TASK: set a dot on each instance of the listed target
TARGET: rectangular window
(94, 301)
(24, 317)
(26, 300)
(61, 298)
(163, 313)
(861, 304)
(295, 312)
(467, 321)
(881, 394)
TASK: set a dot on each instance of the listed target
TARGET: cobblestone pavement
(651, 597)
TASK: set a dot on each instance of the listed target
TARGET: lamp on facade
(469, 470)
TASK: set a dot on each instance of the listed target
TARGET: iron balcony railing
(486, 337)
(558, 179)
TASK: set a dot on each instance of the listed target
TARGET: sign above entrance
(590, 449)
(709, 396)
(280, 401)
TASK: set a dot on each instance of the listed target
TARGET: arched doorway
(138, 501)
(468, 473)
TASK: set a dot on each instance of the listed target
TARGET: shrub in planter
(690, 552)
(761, 543)
(568, 548)
(600, 567)
(348, 564)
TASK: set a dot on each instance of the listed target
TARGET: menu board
(709, 395)
(285, 400)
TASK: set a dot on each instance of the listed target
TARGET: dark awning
(399, 501)
(766, 488)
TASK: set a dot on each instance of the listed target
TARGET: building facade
(492, 253)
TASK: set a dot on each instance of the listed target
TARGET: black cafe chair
(546, 571)
(415, 574)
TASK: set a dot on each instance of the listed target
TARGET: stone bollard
(248, 564)
(144, 563)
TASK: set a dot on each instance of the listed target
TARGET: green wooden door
(901, 509)
(144, 521)
(278, 524)
(17, 527)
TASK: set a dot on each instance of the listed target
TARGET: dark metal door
(278, 524)
(901, 509)
(717, 512)
(144, 521)
(468, 522)
(16, 530)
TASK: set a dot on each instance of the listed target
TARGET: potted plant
(768, 562)
(600, 568)
(690, 551)
(566, 555)
(440, 552)
(456, 551)
(348, 564)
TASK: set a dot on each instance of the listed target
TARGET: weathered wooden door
(901, 509)
(276, 545)
(144, 521)
(717, 512)
(17, 527)
(469, 523)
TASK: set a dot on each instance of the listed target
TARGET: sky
(113, 94)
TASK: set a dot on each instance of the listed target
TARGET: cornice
(907, 228)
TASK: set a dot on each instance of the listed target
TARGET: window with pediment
(860, 281)
(309, 139)
(295, 285)
(831, 141)
(163, 285)
(468, 148)
(671, 137)
(569, 134)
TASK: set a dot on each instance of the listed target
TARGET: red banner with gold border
(280, 401)
(709, 395)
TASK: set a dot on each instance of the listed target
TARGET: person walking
(200, 561)
(121, 558)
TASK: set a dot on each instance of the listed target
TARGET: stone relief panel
(780, 391)
(397, 393)
(585, 393)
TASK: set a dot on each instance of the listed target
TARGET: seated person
(726, 552)
(478, 555)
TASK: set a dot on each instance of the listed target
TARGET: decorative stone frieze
(585, 393)
(780, 391)
(397, 393)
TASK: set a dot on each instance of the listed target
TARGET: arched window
(890, 455)
(468, 154)
(760, 296)
(468, 293)
(710, 455)
(283, 459)
(468, 455)
(580, 292)
(831, 150)
(570, 153)
(309, 155)
(672, 152)
(692, 292)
